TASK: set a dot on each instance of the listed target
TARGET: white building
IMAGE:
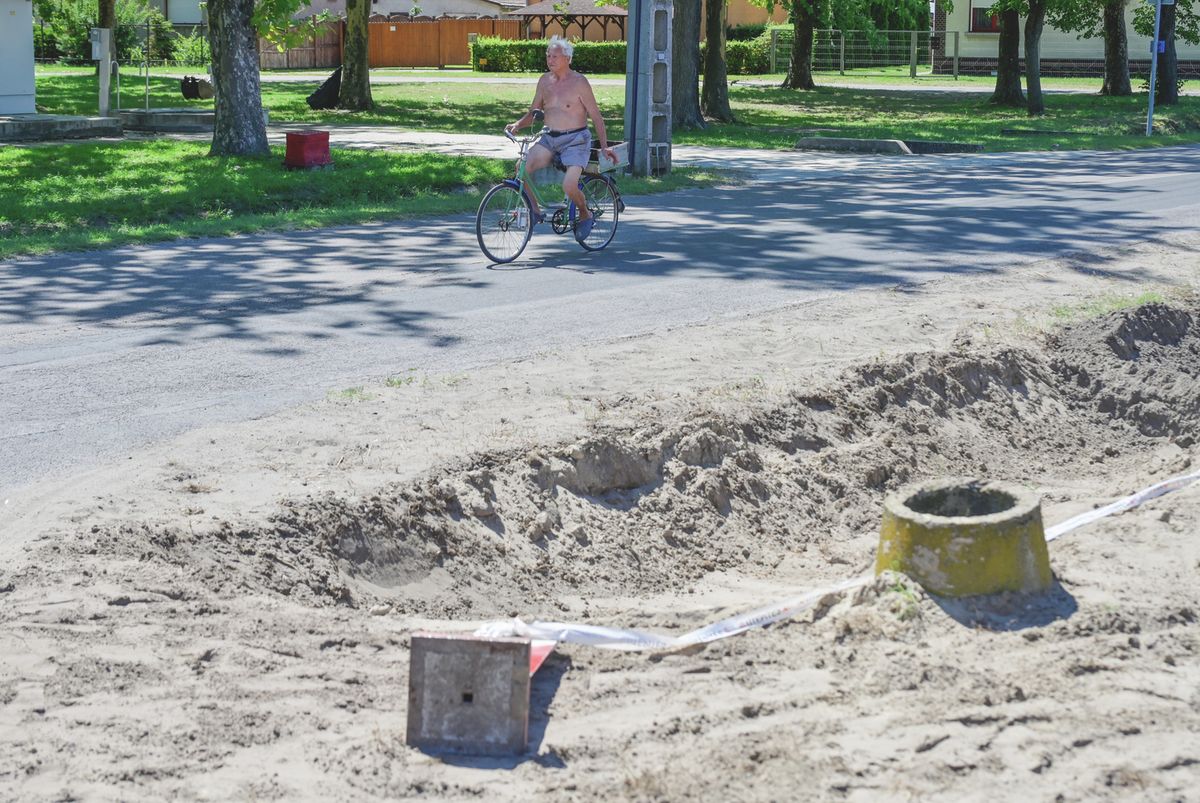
(179, 11)
(16, 57)
(978, 31)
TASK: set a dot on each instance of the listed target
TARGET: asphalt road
(101, 353)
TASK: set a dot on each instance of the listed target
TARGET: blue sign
(1162, 46)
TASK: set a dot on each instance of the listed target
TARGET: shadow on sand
(1010, 610)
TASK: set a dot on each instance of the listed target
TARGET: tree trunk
(355, 94)
(1116, 50)
(1166, 91)
(107, 18)
(714, 97)
(238, 129)
(685, 66)
(804, 23)
(1033, 56)
(1008, 63)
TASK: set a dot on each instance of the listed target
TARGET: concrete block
(173, 120)
(468, 694)
(40, 127)
(853, 145)
(923, 146)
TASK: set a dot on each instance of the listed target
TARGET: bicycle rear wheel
(602, 201)
(503, 223)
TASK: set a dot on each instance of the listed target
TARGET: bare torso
(562, 102)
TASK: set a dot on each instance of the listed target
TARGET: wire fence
(861, 51)
(156, 44)
(923, 53)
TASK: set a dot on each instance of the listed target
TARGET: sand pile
(657, 506)
(166, 657)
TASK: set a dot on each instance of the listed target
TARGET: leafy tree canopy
(1187, 20)
(861, 15)
(274, 21)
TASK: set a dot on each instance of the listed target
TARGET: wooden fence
(392, 43)
(396, 43)
(323, 50)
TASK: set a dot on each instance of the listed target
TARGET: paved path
(103, 352)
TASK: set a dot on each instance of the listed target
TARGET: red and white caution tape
(618, 639)
(1121, 505)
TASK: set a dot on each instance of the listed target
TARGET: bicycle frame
(521, 181)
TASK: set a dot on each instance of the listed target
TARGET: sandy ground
(226, 616)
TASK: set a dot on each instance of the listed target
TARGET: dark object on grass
(327, 96)
(195, 88)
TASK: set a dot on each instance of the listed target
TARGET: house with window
(975, 30)
(16, 57)
(179, 12)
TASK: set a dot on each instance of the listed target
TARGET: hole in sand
(968, 499)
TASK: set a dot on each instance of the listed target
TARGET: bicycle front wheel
(503, 223)
(603, 204)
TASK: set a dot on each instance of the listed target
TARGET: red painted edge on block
(539, 651)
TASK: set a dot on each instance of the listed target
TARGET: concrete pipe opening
(965, 537)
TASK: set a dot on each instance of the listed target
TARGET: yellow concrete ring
(962, 537)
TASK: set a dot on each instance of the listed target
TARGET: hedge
(744, 33)
(746, 58)
(491, 54)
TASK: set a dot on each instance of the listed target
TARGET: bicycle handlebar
(525, 140)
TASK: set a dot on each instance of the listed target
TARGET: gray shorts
(572, 148)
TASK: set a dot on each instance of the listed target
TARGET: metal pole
(1153, 66)
(842, 52)
(147, 64)
(912, 54)
(774, 44)
(956, 55)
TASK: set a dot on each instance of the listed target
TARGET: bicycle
(504, 222)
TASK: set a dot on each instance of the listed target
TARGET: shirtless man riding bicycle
(567, 100)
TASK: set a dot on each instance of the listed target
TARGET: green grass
(355, 394)
(402, 380)
(899, 76)
(68, 91)
(73, 196)
(1103, 305)
(769, 117)
(463, 108)
(80, 196)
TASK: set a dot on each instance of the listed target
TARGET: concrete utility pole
(648, 86)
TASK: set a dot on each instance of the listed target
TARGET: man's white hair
(564, 45)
